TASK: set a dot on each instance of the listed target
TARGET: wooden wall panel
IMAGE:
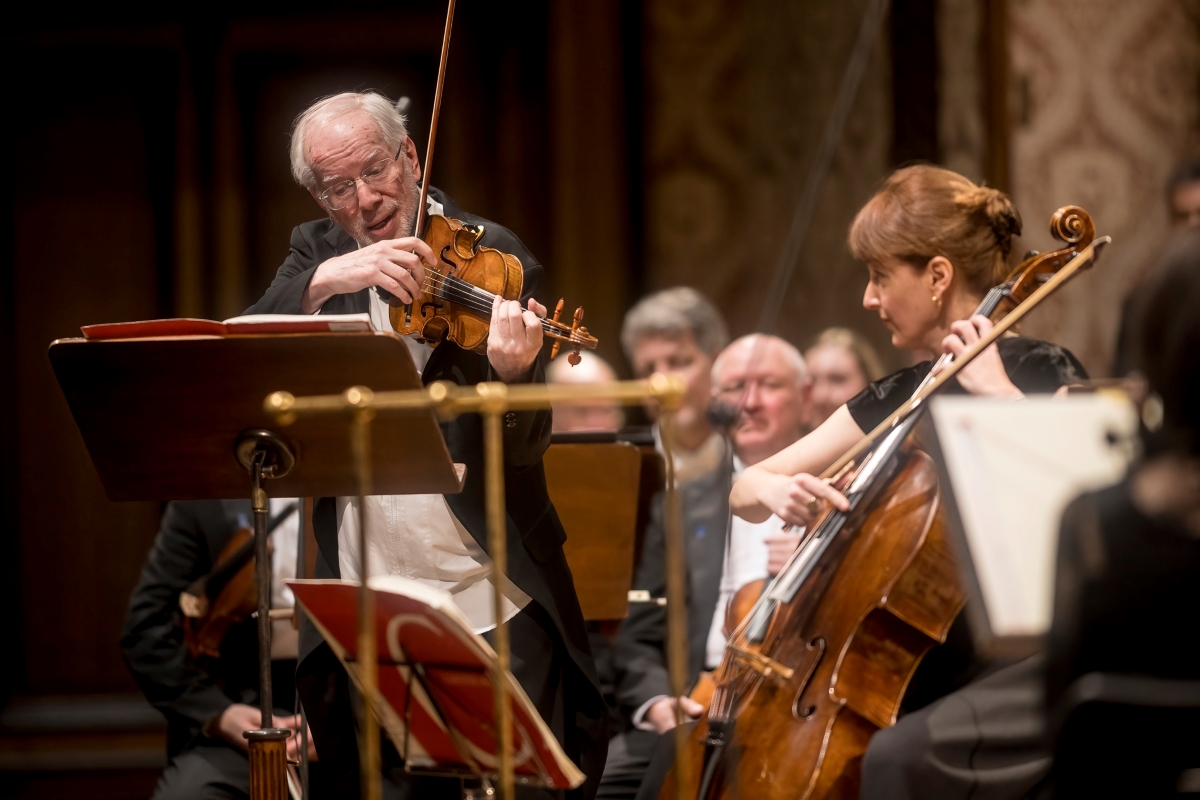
(86, 250)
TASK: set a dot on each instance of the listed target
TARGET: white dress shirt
(284, 542)
(418, 536)
(745, 561)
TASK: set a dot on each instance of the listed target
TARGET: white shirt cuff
(639, 716)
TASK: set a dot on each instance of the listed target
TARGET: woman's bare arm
(784, 483)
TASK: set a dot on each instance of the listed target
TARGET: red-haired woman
(934, 243)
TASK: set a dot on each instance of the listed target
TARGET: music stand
(595, 490)
(181, 418)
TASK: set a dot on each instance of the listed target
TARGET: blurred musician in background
(1129, 554)
(841, 363)
(764, 381)
(353, 154)
(1183, 194)
(933, 243)
(679, 331)
(210, 701)
(591, 369)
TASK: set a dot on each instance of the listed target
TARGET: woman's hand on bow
(985, 375)
(796, 499)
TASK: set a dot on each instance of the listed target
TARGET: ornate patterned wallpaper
(1104, 103)
(737, 97)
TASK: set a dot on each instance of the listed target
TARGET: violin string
(466, 294)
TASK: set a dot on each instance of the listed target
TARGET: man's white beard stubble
(407, 213)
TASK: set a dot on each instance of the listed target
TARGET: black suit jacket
(641, 643)
(536, 562)
(187, 692)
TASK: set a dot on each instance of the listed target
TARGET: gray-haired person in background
(679, 331)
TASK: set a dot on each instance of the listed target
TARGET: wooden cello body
(897, 592)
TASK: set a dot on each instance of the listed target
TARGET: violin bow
(433, 120)
(433, 126)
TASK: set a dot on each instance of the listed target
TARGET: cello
(824, 654)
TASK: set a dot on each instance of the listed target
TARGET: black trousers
(984, 742)
(211, 769)
(629, 756)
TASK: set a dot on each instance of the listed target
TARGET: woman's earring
(937, 301)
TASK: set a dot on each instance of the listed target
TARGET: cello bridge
(767, 667)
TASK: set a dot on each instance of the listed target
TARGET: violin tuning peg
(574, 358)
(558, 310)
(554, 350)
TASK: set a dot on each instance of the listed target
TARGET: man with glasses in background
(353, 154)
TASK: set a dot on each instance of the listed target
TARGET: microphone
(722, 415)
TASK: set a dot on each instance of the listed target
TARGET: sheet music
(1014, 467)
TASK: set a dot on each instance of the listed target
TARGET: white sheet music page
(1014, 467)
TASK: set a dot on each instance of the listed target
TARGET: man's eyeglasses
(345, 193)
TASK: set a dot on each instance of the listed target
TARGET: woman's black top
(1034, 367)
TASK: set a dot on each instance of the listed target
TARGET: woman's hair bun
(1001, 215)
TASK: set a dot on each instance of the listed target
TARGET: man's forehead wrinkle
(343, 146)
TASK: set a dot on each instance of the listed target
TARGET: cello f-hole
(807, 710)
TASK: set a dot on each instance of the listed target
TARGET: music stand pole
(368, 665)
(495, 396)
(265, 455)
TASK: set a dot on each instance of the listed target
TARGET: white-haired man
(763, 380)
(354, 156)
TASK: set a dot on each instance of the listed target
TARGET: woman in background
(840, 364)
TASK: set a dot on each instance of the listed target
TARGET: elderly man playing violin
(353, 154)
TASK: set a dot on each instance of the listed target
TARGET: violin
(455, 303)
(820, 658)
(456, 299)
(227, 595)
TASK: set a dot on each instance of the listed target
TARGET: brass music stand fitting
(265, 455)
(492, 401)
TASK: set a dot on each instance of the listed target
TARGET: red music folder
(435, 696)
(237, 326)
